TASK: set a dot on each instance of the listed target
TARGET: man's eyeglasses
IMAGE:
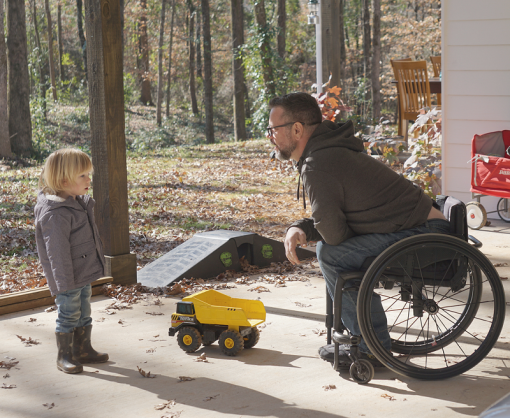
(270, 128)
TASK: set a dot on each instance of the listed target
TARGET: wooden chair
(399, 113)
(414, 89)
(436, 66)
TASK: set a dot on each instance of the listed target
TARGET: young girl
(70, 252)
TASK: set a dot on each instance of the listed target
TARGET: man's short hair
(300, 107)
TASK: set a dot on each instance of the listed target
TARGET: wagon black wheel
(444, 304)
(504, 209)
(252, 338)
(231, 342)
(189, 339)
(362, 373)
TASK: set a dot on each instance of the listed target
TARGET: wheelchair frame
(440, 295)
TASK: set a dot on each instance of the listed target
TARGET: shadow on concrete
(207, 394)
(462, 390)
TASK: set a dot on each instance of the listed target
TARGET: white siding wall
(476, 84)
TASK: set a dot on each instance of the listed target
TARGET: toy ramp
(211, 253)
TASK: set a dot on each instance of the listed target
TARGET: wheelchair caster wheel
(362, 371)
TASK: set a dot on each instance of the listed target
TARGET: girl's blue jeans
(349, 256)
(73, 309)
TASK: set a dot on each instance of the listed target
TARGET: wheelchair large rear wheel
(444, 304)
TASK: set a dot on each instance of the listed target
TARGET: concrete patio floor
(281, 377)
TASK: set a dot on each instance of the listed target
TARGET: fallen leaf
(28, 341)
(329, 387)
(504, 278)
(389, 397)
(202, 357)
(208, 398)
(154, 313)
(8, 364)
(4, 386)
(145, 374)
(49, 405)
(185, 379)
(500, 264)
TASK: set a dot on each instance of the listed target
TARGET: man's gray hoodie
(350, 192)
(68, 241)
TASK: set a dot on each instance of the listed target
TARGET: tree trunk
(42, 74)
(208, 88)
(169, 75)
(60, 46)
(330, 44)
(5, 143)
(265, 49)
(192, 87)
(236, 11)
(122, 27)
(18, 101)
(376, 61)
(282, 23)
(341, 40)
(160, 63)
(143, 47)
(81, 34)
(198, 46)
(366, 37)
(50, 50)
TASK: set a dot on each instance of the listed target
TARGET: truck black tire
(231, 342)
(189, 339)
(252, 338)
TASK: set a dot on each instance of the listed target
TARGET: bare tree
(192, 87)
(18, 99)
(366, 37)
(5, 144)
(198, 45)
(208, 88)
(376, 61)
(143, 64)
(341, 39)
(40, 66)
(50, 49)
(265, 48)
(60, 46)
(169, 74)
(282, 23)
(236, 10)
(81, 33)
(160, 63)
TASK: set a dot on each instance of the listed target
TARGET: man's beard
(283, 154)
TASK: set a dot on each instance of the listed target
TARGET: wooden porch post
(108, 144)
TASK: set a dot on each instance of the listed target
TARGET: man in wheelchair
(360, 206)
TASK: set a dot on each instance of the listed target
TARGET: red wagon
(490, 176)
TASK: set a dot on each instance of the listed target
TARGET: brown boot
(82, 348)
(65, 361)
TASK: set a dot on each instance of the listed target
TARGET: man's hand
(294, 237)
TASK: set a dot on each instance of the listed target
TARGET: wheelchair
(443, 300)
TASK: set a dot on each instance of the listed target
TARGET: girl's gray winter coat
(68, 241)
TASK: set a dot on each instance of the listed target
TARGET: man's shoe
(327, 353)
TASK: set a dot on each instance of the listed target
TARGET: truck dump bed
(212, 307)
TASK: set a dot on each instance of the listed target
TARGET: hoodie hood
(331, 135)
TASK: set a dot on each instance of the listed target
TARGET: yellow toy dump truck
(207, 316)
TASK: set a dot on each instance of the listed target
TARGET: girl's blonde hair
(63, 166)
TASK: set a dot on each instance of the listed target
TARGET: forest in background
(275, 46)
